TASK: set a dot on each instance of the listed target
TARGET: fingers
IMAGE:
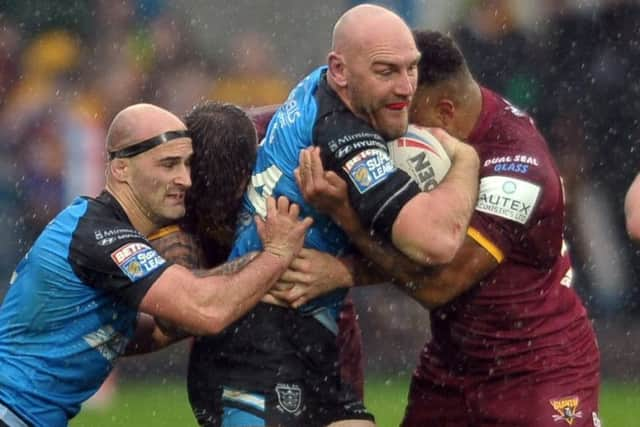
(282, 285)
(282, 205)
(299, 302)
(302, 262)
(272, 299)
(292, 276)
(317, 169)
(335, 181)
(307, 222)
(271, 206)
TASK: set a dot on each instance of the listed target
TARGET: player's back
(289, 132)
(526, 304)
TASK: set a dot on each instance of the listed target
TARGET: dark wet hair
(441, 58)
(224, 153)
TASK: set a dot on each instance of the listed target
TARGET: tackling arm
(207, 303)
(442, 214)
(432, 286)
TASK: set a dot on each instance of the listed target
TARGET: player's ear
(445, 110)
(337, 70)
(119, 169)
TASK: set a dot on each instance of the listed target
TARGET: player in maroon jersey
(511, 342)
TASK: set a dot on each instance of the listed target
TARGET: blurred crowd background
(67, 66)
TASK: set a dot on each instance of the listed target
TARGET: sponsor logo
(137, 260)
(566, 408)
(507, 197)
(289, 398)
(107, 237)
(369, 168)
(288, 113)
(346, 144)
(511, 167)
(106, 241)
(525, 159)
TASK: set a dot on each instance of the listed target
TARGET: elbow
(443, 253)
(441, 250)
(212, 321)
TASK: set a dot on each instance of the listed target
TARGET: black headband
(148, 144)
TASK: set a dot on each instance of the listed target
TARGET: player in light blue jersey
(278, 366)
(86, 291)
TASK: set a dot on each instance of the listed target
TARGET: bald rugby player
(89, 287)
(279, 366)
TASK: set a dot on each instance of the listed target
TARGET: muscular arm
(207, 303)
(632, 209)
(395, 207)
(431, 286)
(442, 214)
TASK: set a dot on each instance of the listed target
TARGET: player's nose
(405, 85)
(183, 178)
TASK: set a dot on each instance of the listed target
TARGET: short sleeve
(352, 148)
(112, 255)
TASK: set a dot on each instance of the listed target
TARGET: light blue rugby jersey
(289, 132)
(71, 309)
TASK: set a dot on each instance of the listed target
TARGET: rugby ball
(421, 155)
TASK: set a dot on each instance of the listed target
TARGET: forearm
(388, 262)
(364, 271)
(248, 279)
(632, 209)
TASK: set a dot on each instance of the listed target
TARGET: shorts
(286, 405)
(524, 401)
(275, 364)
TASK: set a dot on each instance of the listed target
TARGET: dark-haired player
(224, 146)
(511, 342)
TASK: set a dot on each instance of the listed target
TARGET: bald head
(139, 122)
(361, 25)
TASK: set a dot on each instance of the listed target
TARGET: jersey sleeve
(377, 189)
(514, 190)
(113, 256)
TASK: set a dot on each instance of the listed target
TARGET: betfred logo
(127, 251)
(137, 260)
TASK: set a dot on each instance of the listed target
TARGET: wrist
(278, 257)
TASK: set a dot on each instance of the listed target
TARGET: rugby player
(224, 139)
(86, 291)
(632, 209)
(511, 342)
(279, 366)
